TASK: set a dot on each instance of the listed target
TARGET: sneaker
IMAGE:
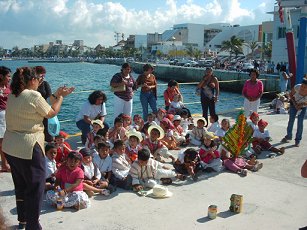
(257, 166)
(242, 172)
(285, 140)
(297, 144)
(105, 192)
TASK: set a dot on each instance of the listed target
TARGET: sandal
(166, 181)
(181, 177)
(282, 150)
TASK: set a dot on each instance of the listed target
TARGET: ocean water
(87, 77)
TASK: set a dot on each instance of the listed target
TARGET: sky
(25, 23)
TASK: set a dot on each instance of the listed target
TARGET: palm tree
(233, 46)
(253, 45)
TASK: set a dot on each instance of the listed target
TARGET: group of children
(132, 153)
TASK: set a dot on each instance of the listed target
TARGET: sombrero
(161, 131)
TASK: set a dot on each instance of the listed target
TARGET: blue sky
(28, 22)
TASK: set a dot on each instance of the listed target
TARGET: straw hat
(159, 191)
(135, 133)
(98, 122)
(203, 119)
(161, 131)
(177, 118)
(210, 136)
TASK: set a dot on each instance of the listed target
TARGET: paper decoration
(238, 137)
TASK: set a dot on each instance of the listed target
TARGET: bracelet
(54, 96)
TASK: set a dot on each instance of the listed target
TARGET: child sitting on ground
(147, 172)
(214, 123)
(96, 125)
(92, 175)
(155, 146)
(254, 117)
(121, 165)
(225, 126)
(178, 131)
(133, 144)
(209, 155)
(261, 138)
(160, 115)
(126, 122)
(168, 140)
(278, 104)
(187, 122)
(188, 163)
(51, 151)
(198, 132)
(118, 131)
(240, 165)
(104, 163)
(176, 105)
(138, 122)
(69, 184)
(63, 148)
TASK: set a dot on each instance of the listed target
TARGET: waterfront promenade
(273, 198)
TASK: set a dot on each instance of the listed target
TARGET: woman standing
(170, 92)
(25, 111)
(5, 77)
(45, 90)
(298, 103)
(283, 79)
(94, 108)
(252, 92)
(209, 93)
(147, 82)
(123, 86)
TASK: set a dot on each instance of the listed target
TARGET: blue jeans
(300, 123)
(148, 98)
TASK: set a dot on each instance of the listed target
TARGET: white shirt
(259, 134)
(50, 167)
(220, 132)
(214, 127)
(104, 165)
(89, 171)
(91, 111)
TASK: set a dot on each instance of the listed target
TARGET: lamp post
(173, 40)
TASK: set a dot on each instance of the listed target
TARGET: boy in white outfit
(147, 172)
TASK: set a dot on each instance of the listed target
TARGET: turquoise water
(87, 77)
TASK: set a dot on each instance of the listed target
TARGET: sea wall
(230, 80)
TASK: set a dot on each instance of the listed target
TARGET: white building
(279, 43)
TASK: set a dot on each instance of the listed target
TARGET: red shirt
(207, 158)
(61, 154)
(69, 177)
(169, 95)
(3, 97)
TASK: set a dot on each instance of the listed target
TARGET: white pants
(161, 173)
(122, 106)
(250, 106)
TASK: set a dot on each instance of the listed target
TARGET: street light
(173, 40)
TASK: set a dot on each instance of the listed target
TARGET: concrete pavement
(273, 198)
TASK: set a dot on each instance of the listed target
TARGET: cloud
(26, 23)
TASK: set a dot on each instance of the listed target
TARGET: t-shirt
(214, 127)
(207, 158)
(104, 165)
(259, 134)
(299, 98)
(253, 90)
(69, 177)
(24, 123)
(220, 132)
(89, 171)
(92, 111)
(50, 167)
(3, 97)
(130, 86)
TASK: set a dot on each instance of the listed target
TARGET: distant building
(279, 43)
